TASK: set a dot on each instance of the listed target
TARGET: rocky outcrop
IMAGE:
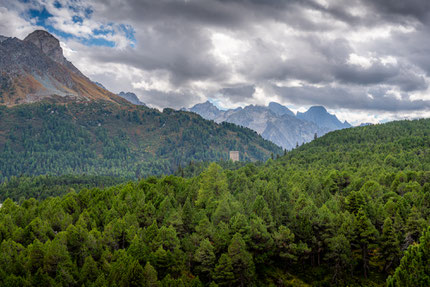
(35, 68)
(50, 46)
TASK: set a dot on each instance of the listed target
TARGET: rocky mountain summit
(132, 98)
(50, 46)
(35, 68)
(320, 116)
(276, 122)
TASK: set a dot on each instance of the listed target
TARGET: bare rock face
(50, 46)
(35, 68)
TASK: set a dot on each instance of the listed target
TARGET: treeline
(99, 138)
(325, 214)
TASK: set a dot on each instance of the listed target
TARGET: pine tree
(365, 234)
(223, 273)
(205, 257)
(241, 260)
(222, 212)
(135, 275)
(414, 269)
(89, 271)
(187, 215)
(413, 226)
(212, 186)
(390, 246)
(339, 256)
(285, 246)
(150, 275)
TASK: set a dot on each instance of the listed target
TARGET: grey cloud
(161, 99)
(175, 37)
(418, 9)
(354, 99)
(238, 94)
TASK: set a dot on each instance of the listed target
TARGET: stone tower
(234, 155)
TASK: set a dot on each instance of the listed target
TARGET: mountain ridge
(275, 122)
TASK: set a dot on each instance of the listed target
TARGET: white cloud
(12, 25)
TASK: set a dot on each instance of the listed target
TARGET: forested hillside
(340, 211)
(101, 138)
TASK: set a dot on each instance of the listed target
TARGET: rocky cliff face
(275, 122)
(50, 46)
(35, 68)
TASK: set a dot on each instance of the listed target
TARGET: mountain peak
(320, 116)
(51, 47)
(279, 109)
(318, 109)
(207, 110)
(132, 98)
(46, 42)
(34, 69)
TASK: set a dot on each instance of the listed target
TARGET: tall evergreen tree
(205, 258)
(414, 269)
(223, 273)
(241, 260)
(390, 245)
(365, 235)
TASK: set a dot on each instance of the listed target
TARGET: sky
(365, 60)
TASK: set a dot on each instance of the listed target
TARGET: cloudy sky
(365, 60)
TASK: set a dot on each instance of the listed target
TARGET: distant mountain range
(276, 122)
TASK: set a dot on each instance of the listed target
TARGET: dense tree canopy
(99, 138)
(340, 211)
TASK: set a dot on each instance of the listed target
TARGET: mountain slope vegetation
(102, 138)
(339, 211)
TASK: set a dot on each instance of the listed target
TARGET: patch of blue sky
(88, 12)
(129, 32)
(57, 5)
(77, 19)
(41, 18)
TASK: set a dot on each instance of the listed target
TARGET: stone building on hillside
(234, 155)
